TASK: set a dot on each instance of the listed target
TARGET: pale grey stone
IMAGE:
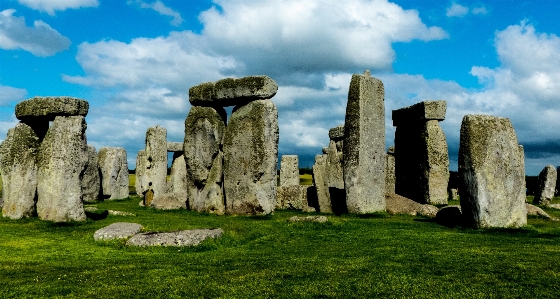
(390, 171)
(364, 145)
(308, 209)
(120, 213)
(183, 238)
(118, 230)
(250, 158)
(423, 111)
(320, 219)
(337, 133)
(292, 197)
(546, 185)
(141, 162)
(491, 165)
(289, 170)
(170, 201)
(230, 92)
(333, 167)
(61, 161)
(536, 211)
(175, 147)
(114, 172)
(453, 194)
(397, 204)
(320, 182)
(204, 132)
(178, 182)
(91, 180)
(155, 174)
(325, 150)
(19, 172)
(48, 108)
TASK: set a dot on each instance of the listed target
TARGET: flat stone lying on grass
(118, 230)
(179, 239)
(120, 213)
(536, 211)
(320, 219)
(397, 204)
(308, 209)
(50, 107)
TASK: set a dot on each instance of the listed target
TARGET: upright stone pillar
(364, 145)
(155, 174)
(91, 179)
(491, 164)
(114, 172)
(289, 170)
(19, 172)
(141, 162)
(390, 171)
(546, 186)
(421, 158)
(320, 182)
(204, 131)
(61, 161)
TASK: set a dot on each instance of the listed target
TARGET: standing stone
(292, 197)
(319, 180)
(19, 172)
(422, 161)
(289, 171)
(141, 161)
(390, 171)
(250, 158)
(364, 145)
(204, 131)
(114, 172)
(178, 178)
(333, 167)
(61, 161)
(155, 174)
(546, 186)
(491, 165)
(91, 180)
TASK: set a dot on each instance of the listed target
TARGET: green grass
(265, 257)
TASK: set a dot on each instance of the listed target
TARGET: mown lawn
(267, 257)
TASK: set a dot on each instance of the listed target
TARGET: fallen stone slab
(178, 239)
(50, 107)
(397, 204)
(118, 230)
(120, 213)
(536, 211)
(231, 92)
(320, 219)
(449, 216)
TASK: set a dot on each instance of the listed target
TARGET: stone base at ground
(179, 239)
(170, 201)
(320, 219)
(292, 197)
(397, 204)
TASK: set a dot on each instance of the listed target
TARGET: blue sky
(134, 61)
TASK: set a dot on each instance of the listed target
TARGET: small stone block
(337, 133)
(423, 111)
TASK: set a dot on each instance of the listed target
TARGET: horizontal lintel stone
(337, 133)
(174, 147)
(423, 111)
(231, 92)
(50, 107)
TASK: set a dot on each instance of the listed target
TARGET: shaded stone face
(491, 165)
(423, 111)
(390, 171)
(47, 108)
(364, 145)
(61, 161)
(155, 174)
(114, 172)
(337, 133)
(289, 170)
(91, 180)
(230, 92)
(19, 172)
(141, 162)
(333, 167)
(178, 178)
(546, 185)
(320, 182)
(250, 158)
(204, 131)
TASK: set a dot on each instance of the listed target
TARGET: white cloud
(457, 10)
(479, 10)
(50, 6)
(159, 7)
(40, 40)
(10, 94)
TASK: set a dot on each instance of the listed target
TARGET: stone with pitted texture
(61, 160)
(292, 197)
(320, 182)
(175, 147)
(337, 133)
(364, 145)
(250, 158)
(320, 219)
(230, 91)
(178, 182)
(114, 172)
(118, 230)
(141, 161)
(546, 185)
(491, 165)
(169, 201)
(390, 171)
(91, 180)
(423, 111)
(183, 238)
(397, 204)
(155, 173)
(289, 171)
(48, 108)
(19, 172)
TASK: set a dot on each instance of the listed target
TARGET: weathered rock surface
(169, 201)
(397, 204)
(61, 161)
(423, 111)
(141, 161)
(118, 230)
(175, 147)
(320, 182)
(19, 172)
(155, 174)
(178, 182)
(91, 180)
(250, 158)
(390, 171)
(114, 172)
(50, 107)
(450, 216)
(230, 92)
(204, 131)
(292, 197)
(491, 165)
(320, 219)
(337, 133)
(364, 145)
(333, 167)
(453, 194)
(536, 211)
(178, 239)
(546, 185)
(289, 170)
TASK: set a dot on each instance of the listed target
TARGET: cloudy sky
(134, 61)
